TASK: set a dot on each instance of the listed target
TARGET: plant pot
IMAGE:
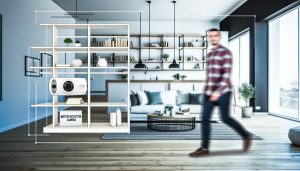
(247, 112)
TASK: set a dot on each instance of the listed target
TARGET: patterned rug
(139, 131)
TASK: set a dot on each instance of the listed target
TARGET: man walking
(218, 92)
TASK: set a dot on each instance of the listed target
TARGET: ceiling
(161, 10)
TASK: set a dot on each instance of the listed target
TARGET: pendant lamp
(174, 64)
(140, 64)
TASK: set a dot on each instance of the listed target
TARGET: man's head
(214, 36)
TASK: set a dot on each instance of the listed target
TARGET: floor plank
(18, 151)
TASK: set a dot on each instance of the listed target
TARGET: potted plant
(246, 92)
(68, 41)
(183, 77)
(165, 57)
(168, 110)
(176, 76)
(123, 76)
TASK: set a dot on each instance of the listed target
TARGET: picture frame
(32, 62)
(46, 60)
(189, 58)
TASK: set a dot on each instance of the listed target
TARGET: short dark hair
(213, 29)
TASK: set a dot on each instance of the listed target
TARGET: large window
(240, 71)
(284, 65)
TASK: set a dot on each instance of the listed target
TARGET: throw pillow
(182, 97)
(143, 99)
(195, 98)
(134, 99)
(168, 97)
(154, 97)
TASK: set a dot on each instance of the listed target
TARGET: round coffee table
(170, 123)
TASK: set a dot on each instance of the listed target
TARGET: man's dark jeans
(224, 106)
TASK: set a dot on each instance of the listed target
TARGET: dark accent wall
(252, 15)
(1, 58)
(261, 64)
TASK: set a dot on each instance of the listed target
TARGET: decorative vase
(171, 113)
(102, 62)
(247, 112)
(76, 62)
(113, 119)
(119, 117)
(196, 43)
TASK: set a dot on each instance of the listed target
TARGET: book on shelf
(111, 42)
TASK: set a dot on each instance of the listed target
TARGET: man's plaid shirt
(219, 65)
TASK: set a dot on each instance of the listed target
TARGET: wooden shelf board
(109, 49)
(82, 73)
(79, 67)
(153, 48)
(169, 48)
(76, 37)
(93, 104)
(66, 26)
(109, 26)
(59, 67)
(94, 128)
(146, 70)
(61, 49)
(109, 67)
(193, 47)
(109, 36)
(83, 49)
(168, 35)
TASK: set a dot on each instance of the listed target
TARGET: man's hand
(215, 96)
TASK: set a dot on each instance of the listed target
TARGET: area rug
(139, 131)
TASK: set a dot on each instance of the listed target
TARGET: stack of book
(112, 42)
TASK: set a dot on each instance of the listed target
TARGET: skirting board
(21, 123)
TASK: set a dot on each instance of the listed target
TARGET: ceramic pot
(76, 63)
(113, 119)
(77, 44)
(102, 62)
(247, 112)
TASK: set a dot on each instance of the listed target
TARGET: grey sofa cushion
(195, 98)
(134, 99)
(182, 97)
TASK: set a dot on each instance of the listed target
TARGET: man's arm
(226, 68)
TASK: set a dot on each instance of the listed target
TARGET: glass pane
(234, 46)
(283, 65)
(244, 58)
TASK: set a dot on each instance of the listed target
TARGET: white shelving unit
(89, 126)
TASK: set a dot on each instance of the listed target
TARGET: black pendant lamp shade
(174, 64)
(140, 65)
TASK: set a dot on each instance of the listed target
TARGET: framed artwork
(32, 62)
(46, 60)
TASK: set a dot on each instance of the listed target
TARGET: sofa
(145, 102)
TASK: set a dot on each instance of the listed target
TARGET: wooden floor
(18, 151)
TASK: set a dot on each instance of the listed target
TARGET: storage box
(71, 118)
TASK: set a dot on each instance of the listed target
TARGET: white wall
(19, 33)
